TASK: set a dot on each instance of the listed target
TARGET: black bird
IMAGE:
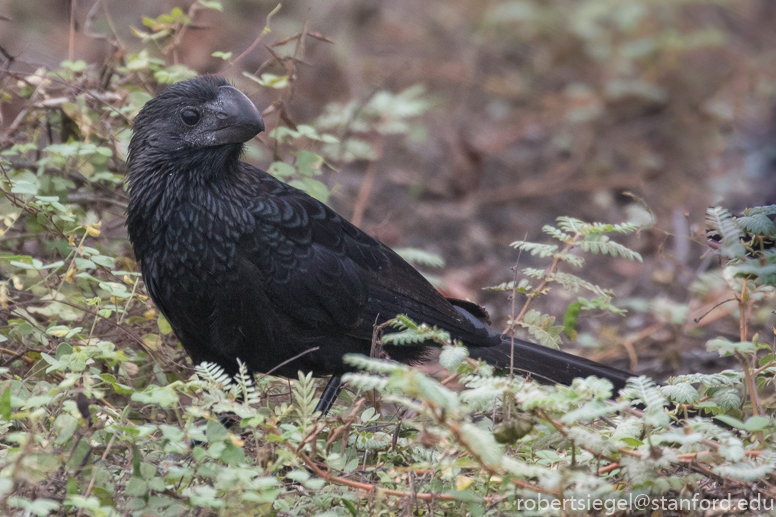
(246, 266)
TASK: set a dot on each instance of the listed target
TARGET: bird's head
(202, 116)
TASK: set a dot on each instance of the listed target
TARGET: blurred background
(494, 118)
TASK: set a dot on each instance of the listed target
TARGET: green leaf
(365, 381)
(557, 234)
(534, 248)
(522, 287)
(147, 471)
(482, 443)
(726, 348)
(281, 170)
(58, 330)
(102, 260)
(115, 289)
(232, 455)
(308, 164)
(597, 243)
(215, 431)
(420, 257)
(63, 349)
(570, 320)
(720, 222)
(543, 328)
(40, 507)
(213, 4)
(727, 398)
(277, 82)
(452, 357)
(758, 224)
(24, 187)
(64, 425)
(368, 415)
(5, 404)
(682, 392)
(313, 187)
(298, 475)
(729, 420)
(81, 263)
(136, 486)
(744, 470)
(590, 411)
(350, 506)
(645, 390)
(164, 396)
(164, 325)
(756, 423)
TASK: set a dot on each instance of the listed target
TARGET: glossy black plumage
(243, 265)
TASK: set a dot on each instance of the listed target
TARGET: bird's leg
(329, 395)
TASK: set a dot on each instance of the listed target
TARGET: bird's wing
(326, 272)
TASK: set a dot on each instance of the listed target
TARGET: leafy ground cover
(101, 413)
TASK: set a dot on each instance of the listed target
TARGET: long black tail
(542, 363)
(546, 364)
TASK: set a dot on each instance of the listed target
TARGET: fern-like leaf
(363, 362)
(213, 375)
(420, 257)
(365, 381)
(727, 399)
(556, 233)
(570, 224)
(303, 392)
(720, 223)
(682, 392)
(610, 228)
(522, 287)
(758, 224)
(535, 248)
(542, 328)
(573, 283)
(534, 272)
(413, 333)
(764, 210)
(574, 260)
(599, 243)
(452, 357)
(243, 387)
(645, 390)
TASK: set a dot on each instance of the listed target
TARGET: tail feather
(546, 364)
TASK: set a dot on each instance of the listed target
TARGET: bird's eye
(190, 117)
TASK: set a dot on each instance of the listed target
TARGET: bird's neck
(160, 182)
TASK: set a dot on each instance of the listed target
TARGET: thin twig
(71, 42)
(540, 188)
(698, 320)
(315, 35)
(544, 283)
(327, 476)
(102, 458)
(449, 379)
(512, 322)
(89, 21)
(362, 198)
(748, 378)
(297, 356)
(455, 430)
(264, 31)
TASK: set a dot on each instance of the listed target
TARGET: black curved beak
(238, 120)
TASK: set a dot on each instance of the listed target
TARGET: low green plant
(100, 415)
